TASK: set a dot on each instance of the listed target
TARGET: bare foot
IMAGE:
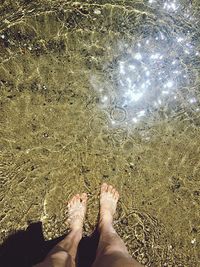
(76, 211)
(108, 204)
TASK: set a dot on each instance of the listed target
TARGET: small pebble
(193, 240)
(97, 11)
(45, 135)
(6, 21)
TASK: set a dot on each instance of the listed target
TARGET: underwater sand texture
(103, 91)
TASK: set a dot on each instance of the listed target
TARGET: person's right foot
(76, 211)
(108, 203)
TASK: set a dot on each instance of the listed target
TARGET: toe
(104, 187)
(70, 203)
(77, 198)
(73, 200)
(116, 195)
(113, 191)
(110, 188)
(84, 197)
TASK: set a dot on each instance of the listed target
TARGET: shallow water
(99, 91)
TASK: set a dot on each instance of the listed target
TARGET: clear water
(99, 91)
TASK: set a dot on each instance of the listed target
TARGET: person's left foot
(76, 211)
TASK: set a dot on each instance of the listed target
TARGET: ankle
(76, 233)
(106, 217)
(105, 225)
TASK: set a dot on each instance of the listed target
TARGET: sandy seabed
(64, 130)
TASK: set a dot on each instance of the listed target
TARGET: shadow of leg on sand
(26, 248)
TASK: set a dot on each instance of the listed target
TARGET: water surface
(98, 91)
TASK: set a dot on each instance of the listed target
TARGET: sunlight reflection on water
(151, 74)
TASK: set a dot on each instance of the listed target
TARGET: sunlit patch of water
(154, 72)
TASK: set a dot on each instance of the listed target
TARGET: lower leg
(112, 251)
(110, 241)
(66, 249)
(64, 253)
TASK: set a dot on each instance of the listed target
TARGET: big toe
(110, 188)
(104, 188)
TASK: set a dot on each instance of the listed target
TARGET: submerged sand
(57, 138)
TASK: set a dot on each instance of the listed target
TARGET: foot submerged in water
(76, 211)
(108, 204)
